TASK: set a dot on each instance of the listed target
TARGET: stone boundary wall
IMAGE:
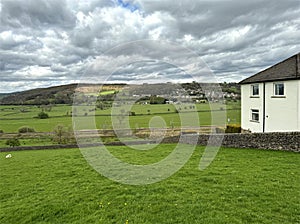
(289, 141)
(271, 141)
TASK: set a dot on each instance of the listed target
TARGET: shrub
(25, 129)
(1, 131)
(132, 113)
(43, 115)
(157, 100)
(13, 142)
(62, 135)
(233, 128)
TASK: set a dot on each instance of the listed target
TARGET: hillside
(64, 94)
(53, 95)
(2, 95)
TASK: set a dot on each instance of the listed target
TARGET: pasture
(14, 117)
(240, 186)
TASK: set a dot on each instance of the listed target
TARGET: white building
(270, 100)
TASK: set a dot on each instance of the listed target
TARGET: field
(14, 117)
(240, 186)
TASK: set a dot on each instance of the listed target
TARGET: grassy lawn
(240, 186)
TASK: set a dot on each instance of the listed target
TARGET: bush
(157, 100)
(232, 128)
(132, 113)
(1, 131)
(43, 115)
(13, 142)
(62, 135)
(25, 129)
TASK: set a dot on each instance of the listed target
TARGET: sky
(52, 42)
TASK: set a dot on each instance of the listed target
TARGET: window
(254, 115)
(278, 89)
(255, 90)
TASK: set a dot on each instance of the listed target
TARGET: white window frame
(255, 87)
(254, 112)
(276, 90)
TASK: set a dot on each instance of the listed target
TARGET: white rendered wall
(248, 103)
(282, 112)
(298, 105)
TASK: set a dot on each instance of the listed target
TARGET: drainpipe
(297, 65)
(298, 89)
(264, 107)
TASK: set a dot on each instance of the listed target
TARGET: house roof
(284, 70)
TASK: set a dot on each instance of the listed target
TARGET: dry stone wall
(275, 141)
(272, 141)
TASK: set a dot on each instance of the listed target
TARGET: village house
(270, 99)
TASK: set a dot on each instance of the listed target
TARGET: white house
(270, 100)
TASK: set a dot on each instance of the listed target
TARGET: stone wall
(274, 141)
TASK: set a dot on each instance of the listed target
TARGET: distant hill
(64, 94)
(53, 95)
(2, 95)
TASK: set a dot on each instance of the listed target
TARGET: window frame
(253, 88)
(275, 89)
(254, 112)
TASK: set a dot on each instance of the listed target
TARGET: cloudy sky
(51, 42)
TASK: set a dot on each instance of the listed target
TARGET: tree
(59, 133)
(43, 115)
(62, 135)
(13, 142)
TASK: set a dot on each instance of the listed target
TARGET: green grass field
(14, 117)
(240, 186)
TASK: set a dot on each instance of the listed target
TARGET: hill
(2, 95)
(53, 95)
(64, 94)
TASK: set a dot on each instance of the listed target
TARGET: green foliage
(43, 115)
(1, 131)
(25, 129)
(13, 142)
(132, 113)
(157, 100)
(62, 135)
(233, 128)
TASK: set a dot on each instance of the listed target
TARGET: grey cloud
(205, 17)
(36, 13)
(89, 6)
(15, 61)
(7, 41)
(235, 39)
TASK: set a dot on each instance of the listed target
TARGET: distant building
(270, 99)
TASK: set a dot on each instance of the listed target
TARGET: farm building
(270, 100)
